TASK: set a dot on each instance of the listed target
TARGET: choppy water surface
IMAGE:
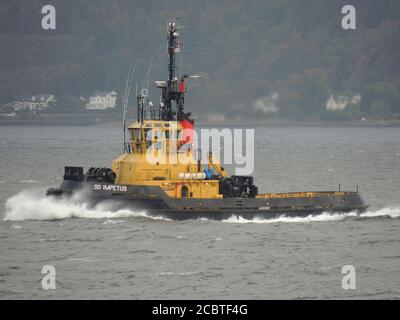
(103, 253)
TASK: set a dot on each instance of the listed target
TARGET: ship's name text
(110, 187)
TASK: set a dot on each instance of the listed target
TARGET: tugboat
(190, 189)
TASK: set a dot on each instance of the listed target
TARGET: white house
(7, 112)
(34, 103)
(341, 102)
(101, 100)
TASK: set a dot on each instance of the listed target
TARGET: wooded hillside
(263, 58)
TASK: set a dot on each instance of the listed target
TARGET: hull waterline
(217, 209)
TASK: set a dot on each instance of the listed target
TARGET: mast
(173, 90)
(172, 42)
(170, 91)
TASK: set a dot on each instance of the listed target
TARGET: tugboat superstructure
(186, 189)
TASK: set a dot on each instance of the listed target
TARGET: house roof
(104, 93)
(43, 94)
(6, 109)
(29, 98)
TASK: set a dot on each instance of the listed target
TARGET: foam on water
(28, 181)
(32, 205)
(323, 217)
(112, 221)
(177, 273)
(392, 212)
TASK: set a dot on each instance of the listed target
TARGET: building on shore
(102, 100)
(34, 103)
(7, 112)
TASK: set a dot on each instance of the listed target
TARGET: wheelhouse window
(137, 135)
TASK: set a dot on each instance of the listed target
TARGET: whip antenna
(131, 72)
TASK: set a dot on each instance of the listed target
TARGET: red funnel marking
(188, 131)
(182, 86)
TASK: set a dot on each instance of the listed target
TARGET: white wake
(33, 205)
(323, 217)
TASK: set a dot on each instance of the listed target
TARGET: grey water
(100, 253)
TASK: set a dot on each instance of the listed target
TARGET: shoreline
(107, 122)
